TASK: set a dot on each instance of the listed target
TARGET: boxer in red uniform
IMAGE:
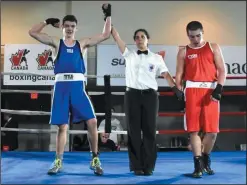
(201, 65)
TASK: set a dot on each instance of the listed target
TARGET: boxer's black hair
(70, 18)
(142, 30)
(193, 25)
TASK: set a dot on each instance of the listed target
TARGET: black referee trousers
(141, 109)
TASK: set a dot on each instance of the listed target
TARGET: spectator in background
(9, 139)
(115, 126)
(106, 144)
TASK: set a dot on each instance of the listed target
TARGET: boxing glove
(216, 94)
(106, 10)
(52, 21)
(179, 94)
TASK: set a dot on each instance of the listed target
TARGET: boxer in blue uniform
(69, 90)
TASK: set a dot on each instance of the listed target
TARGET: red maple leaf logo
(162, 53)
(19, 57)
(42, 59)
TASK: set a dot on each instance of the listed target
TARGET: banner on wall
(29, 58)
(111, 62)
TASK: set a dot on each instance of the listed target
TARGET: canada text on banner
(30, 59)
(111, 62)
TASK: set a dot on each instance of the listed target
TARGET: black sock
(197, 157)
(94, 154)
(205, 154)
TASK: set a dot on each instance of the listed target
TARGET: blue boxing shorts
(69, 97)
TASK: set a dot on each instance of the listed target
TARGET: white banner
(29, 58)
(110, 62)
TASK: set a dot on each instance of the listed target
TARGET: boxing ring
(171, 167)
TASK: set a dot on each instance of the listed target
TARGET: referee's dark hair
(141, 30)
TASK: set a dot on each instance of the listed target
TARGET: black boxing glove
(106, 10)
(52, 21)
(179, 94)
(216, 94)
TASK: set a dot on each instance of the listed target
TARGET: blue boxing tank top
(69, 59)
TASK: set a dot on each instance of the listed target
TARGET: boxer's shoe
(207, 164)
(198, 165)
(95, 165)
(56, 167)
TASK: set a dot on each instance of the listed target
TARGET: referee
(141, 100)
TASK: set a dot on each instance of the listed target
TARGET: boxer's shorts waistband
(65, 77)
(207, 85)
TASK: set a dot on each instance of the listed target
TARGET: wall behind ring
(224, 23)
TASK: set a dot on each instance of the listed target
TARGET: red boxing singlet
(199, 64)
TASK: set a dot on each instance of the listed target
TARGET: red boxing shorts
(201, 112)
